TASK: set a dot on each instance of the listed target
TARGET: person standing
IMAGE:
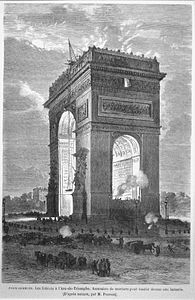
(121, 242)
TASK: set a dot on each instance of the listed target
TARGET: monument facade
(113, 100)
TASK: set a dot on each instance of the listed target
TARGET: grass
(19, 264)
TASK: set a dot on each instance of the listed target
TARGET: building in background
(39, 197)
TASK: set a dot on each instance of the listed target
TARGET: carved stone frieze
(118, 108)
(116, 83)
(132, 109)
(128, 72)
(82, 111)
(125, 129)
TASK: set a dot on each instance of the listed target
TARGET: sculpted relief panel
(82, 111)
(135, 84)
(110, 107)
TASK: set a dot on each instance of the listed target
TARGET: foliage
(178, 204)
(21, 204)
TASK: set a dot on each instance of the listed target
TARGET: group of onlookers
(65, 260)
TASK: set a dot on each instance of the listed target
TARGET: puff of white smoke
(131, 181)
(151, 218)
(142, 179)
(65, 231)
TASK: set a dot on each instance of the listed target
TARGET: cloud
(36, 99)
(148, 34)
(165, 109)
(25, 91)
(165, 119)
(13, 102)
(19, 98)
(58, 14)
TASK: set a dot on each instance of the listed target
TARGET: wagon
(139, 247)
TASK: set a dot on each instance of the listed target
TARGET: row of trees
(24, 203)
(178, 204)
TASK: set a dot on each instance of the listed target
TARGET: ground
(19, 265)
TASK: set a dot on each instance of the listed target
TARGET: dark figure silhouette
(108, 267)
(121, 242)
(94, 266)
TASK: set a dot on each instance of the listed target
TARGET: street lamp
(166, 214)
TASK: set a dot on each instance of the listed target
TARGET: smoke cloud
(142, 179)
(131, 181)
(151, 219)
(65, 231)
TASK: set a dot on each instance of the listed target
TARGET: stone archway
(66, 162)
(125, 168)
(107, 92)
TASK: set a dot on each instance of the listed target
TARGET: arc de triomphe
(111, 95)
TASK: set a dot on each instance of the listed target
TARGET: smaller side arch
(126, 153)
(66, 162)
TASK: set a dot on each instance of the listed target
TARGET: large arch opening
(125, 168)
(67, 162)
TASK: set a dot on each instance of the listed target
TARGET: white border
(189, 290)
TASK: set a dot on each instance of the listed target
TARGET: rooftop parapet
(105, 57)
(124, 60)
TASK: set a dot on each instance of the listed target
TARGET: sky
(35, 53)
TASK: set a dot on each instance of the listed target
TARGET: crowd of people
(65, 260)
(101, 267)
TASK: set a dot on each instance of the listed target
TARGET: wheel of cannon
(137, 249)
(153, 250)
(156, 251)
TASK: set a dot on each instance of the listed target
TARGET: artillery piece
(139, 247)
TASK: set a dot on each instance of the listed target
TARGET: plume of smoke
(65, 231)
(142, 179)
(131, 181)
(151, 219)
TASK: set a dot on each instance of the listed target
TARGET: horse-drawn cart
(139, 247)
